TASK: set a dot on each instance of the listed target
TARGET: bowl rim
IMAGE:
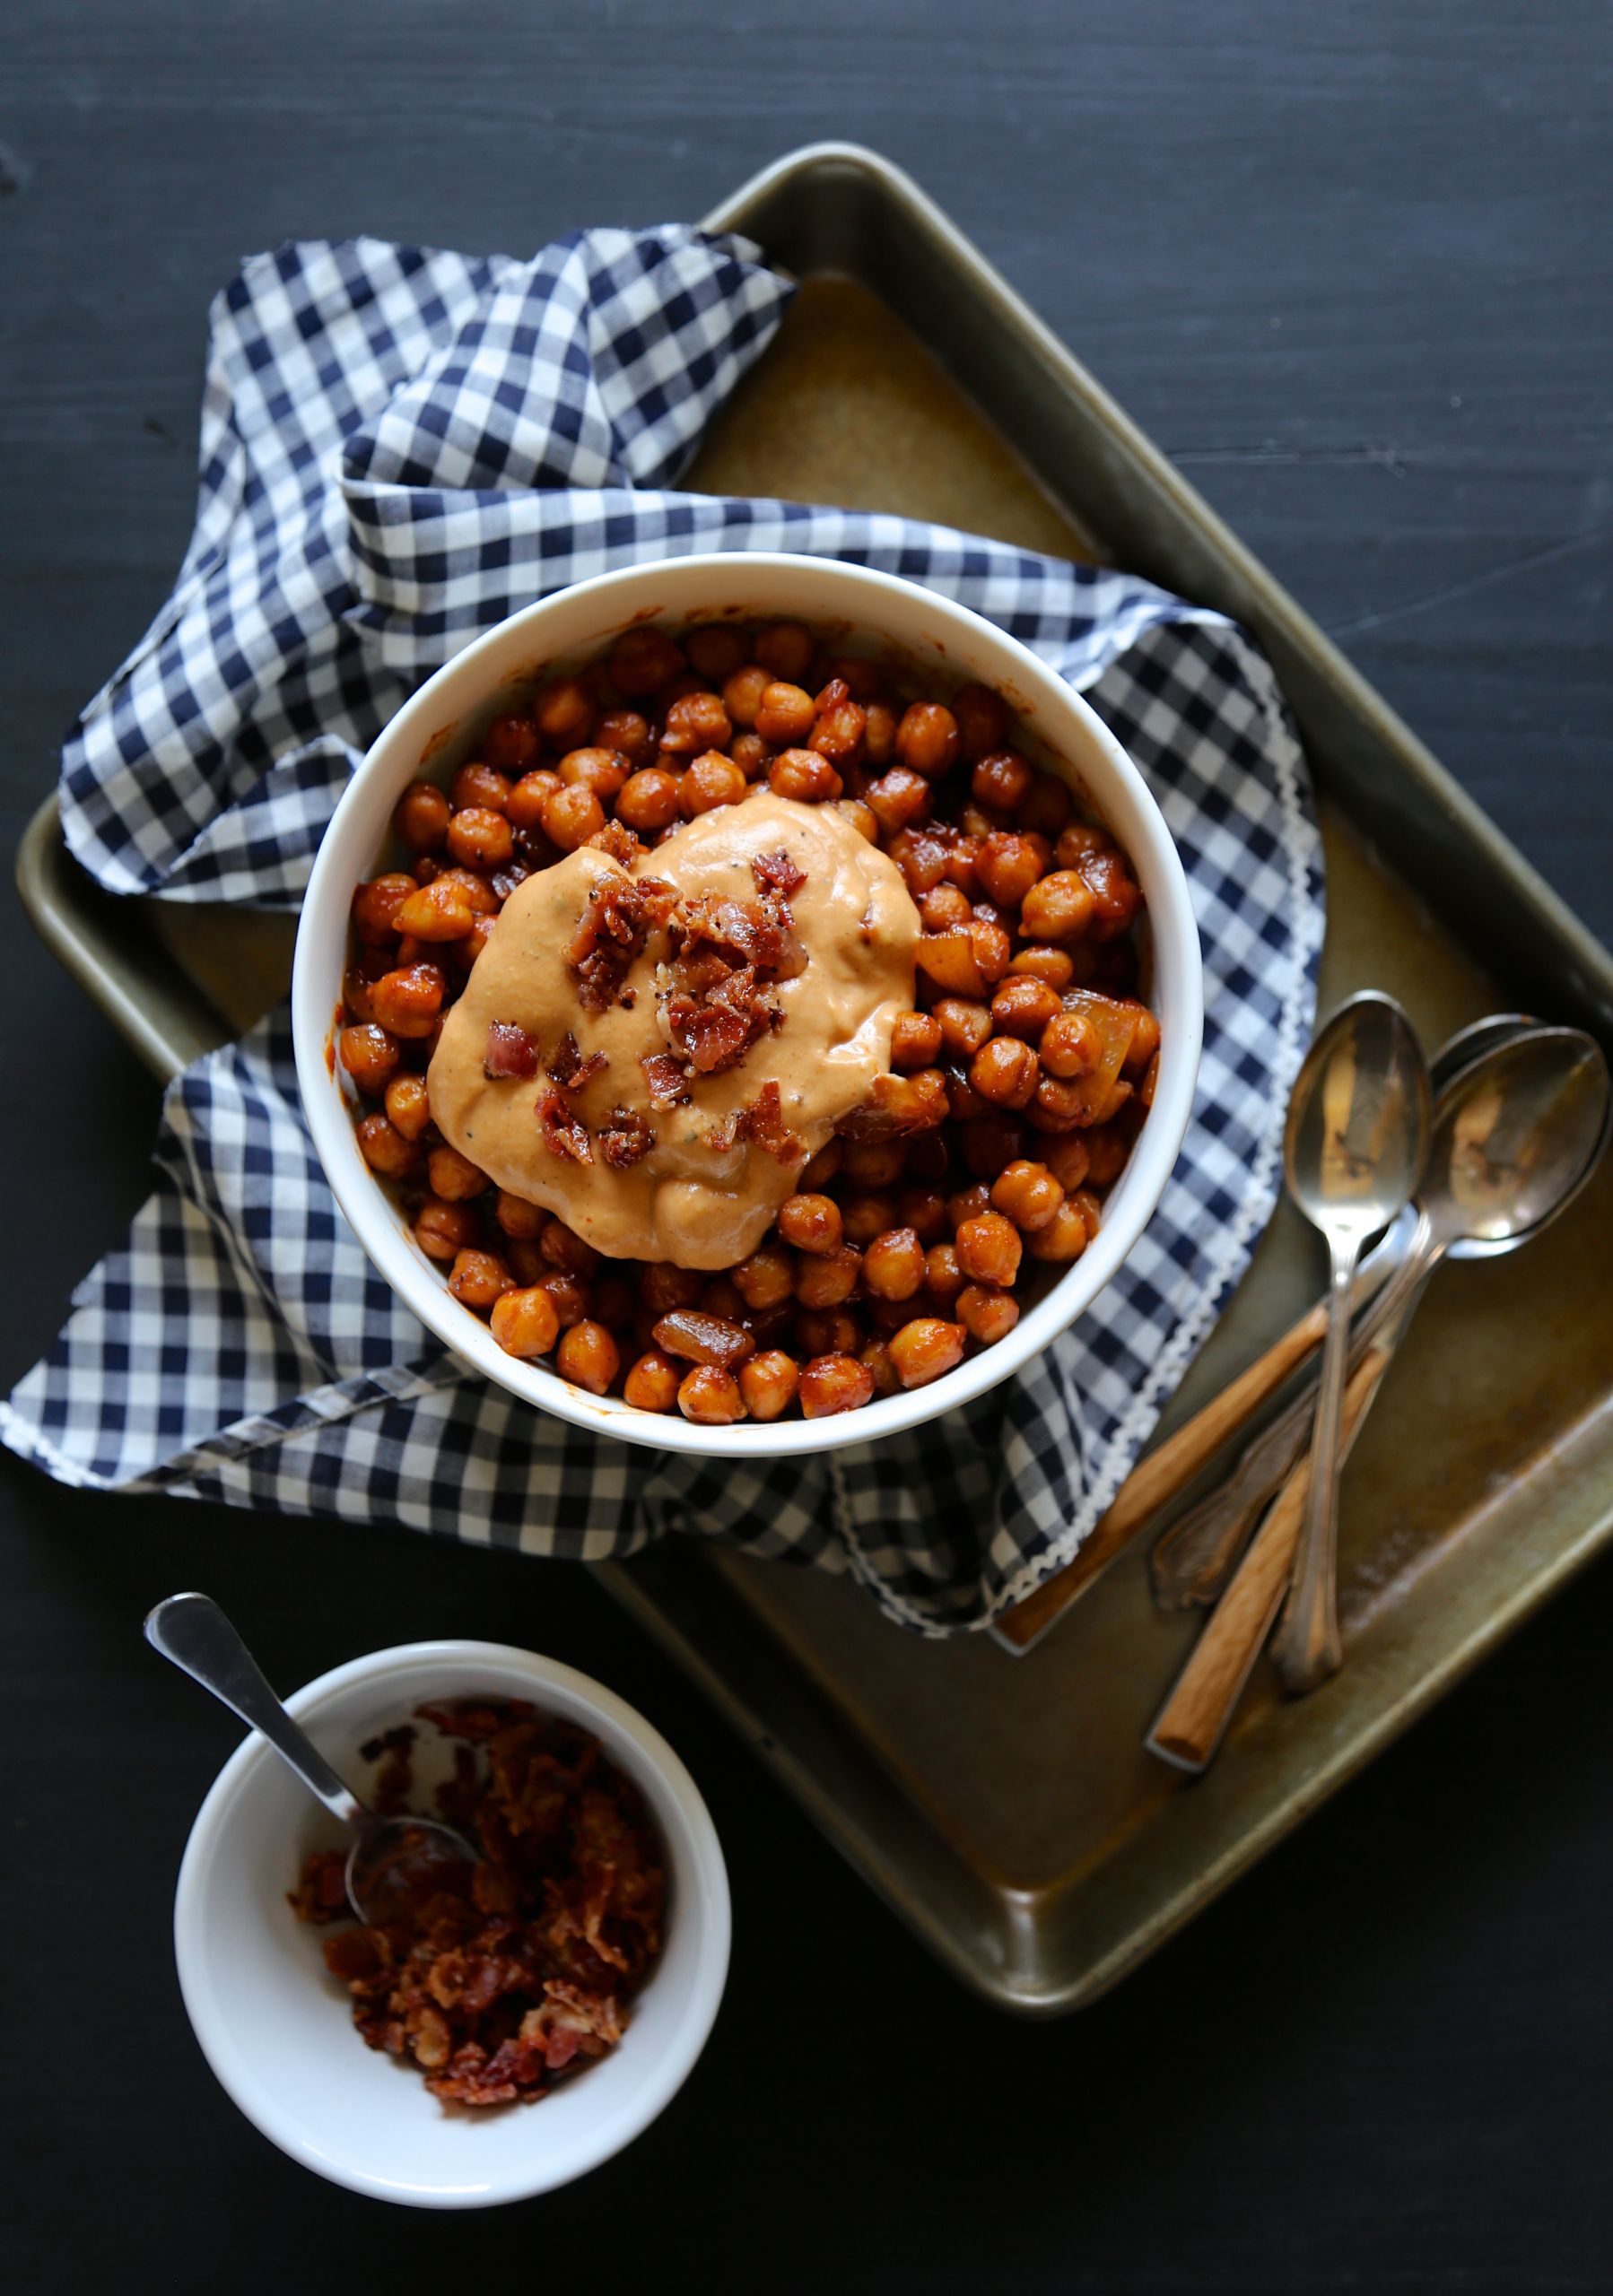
(369, 1212)
(697, 1865)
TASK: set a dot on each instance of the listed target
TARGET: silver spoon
(1357, 1139)
(393, 1860)
(1194, 1557)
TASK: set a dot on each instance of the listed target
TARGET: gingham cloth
(398, 449)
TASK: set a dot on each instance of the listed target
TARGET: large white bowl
(440, 725)
(277, 2029)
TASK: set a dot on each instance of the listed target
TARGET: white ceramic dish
(277, 2029)
(437, 727)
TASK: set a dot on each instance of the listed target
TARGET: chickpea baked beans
(1027, 1060)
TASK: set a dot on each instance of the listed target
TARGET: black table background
(1349, 265)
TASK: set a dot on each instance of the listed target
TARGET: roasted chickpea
(368, 1055)
(1004, 1072)
(1058, 909)
(524, 1322)
(530, 794)
(767, 1278)
(711, 1398)
(989, 1250)
(713, 781)
(407, 1002)
(573, 815)
(1001, 781)
(873, 1163)
(518, 1217)
(943, 908)
(1023, 1007)
(653, 1381)
(991, 1141)
(649, 799)
(375, 907)
(1027, 1193)
(892, 1266)
(804, 776)
(925, 1349)
(986, 1314)
(1060, 1105)
(1008, 866)
(943, 1277)
(929, 1159)
(453, 1176)
(924, 1211)
(742, 694)
(716, 650)
(915, 1039)
(478, 1279)
(875, 1359)
(964, 1025)
(921, 859)
(784, 714)
(861, 817)
(567, 1293)
(879, 733)
(767, 1382)
(409, 1105)
(785, 648)
(385, 1149)
(440, 911)
(827, 1279)
(839, 730)
(992, 949)
(1145, 1039)
(1116, 896)
(1064, 1237)
(816, 1175)
(602, 771)
(589, 1356)
(479, 838)
(927, 739)
(1068, 1161)
(867, 1215)
(1048, 807)
(1070, 1046)
(834, 1382)
(565, 1249)
(1039, 962)
(1090, 1209)
(642, 660)
(421, 818)
(480, 786)
(982, 720)
(969, 1203)
(443, 1229)
(1106, 1153)
(697, 723)
(812, 1224)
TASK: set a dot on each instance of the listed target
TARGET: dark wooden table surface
(1351, 267)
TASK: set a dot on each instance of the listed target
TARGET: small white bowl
(278, 2029)
(437, 728)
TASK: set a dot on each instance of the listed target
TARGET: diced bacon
(568, 1067)
(510, 1051)
(776, 873)
(625, 1138)
(565, 1134)
(668, 1079)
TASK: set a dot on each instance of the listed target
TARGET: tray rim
(51, 882)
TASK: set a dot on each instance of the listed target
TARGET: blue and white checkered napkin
(398, 449)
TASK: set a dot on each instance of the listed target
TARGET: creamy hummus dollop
(689, 1199)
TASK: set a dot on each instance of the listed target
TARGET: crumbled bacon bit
(667, 1078)
(569, 1069)
(776, 873)
(565, 1134)
(618, 840)
(763, 1121)
(712, 1036)
(616, 917)
(624, 1137)
(510, 1051)
(520, 1968)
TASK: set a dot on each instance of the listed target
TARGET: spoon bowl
(1517, 1136)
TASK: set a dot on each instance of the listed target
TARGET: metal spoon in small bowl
(393, 1861)
(1560, 1094)
(1353, 1153)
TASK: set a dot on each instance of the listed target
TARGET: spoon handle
(1194, 1556)
(194, 1635)
(1305, 1648)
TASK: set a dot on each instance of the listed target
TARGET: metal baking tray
(1003, 1805)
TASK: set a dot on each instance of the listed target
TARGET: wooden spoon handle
(1189, 1725)
(1161, 1475)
